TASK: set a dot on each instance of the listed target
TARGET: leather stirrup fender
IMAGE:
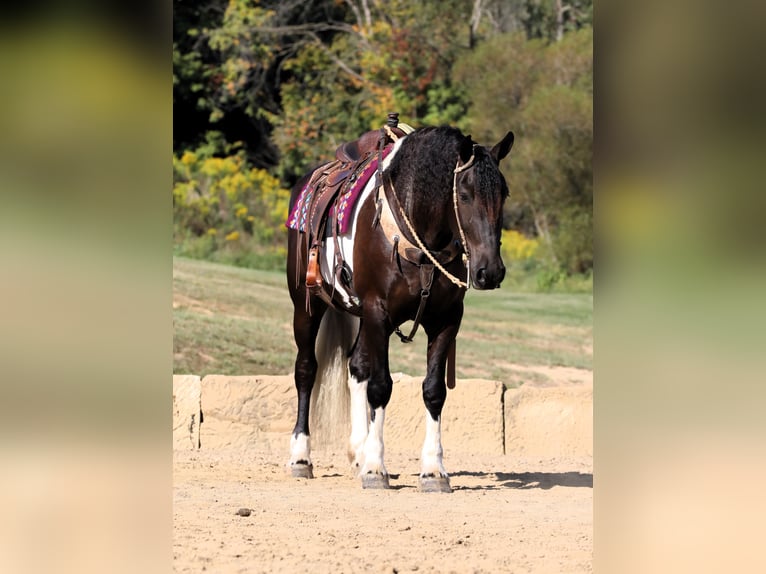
(451, 352)
(313, 276)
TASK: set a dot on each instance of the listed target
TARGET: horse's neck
(433, 223)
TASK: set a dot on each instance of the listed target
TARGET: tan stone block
(247, 412)
(472, 419)
(259, 412)
(186, 411)
(549, 421)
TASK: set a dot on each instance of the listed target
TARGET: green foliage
(541, 18)
(223, 209)
(293, 80)
(530, 267)
(546, 92)
(342, 88)
(316, 116)
(245, 58)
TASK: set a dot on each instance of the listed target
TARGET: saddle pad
(346, 202)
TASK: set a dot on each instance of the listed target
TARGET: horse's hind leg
(305, 329)
(433, 476)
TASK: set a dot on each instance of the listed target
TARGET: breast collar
(403, 247)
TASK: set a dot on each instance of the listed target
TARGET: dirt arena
(520, 462)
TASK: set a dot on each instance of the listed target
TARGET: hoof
(375, 481)
(434, 484)
(300, 470)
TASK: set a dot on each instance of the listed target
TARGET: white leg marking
(373, 446)
(300, 448)
(359, 421)
(431, 456)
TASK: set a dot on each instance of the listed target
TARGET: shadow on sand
(524, 480)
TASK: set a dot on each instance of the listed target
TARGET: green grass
(235, 321)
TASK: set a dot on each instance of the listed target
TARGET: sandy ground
(504, 515)
(507, 513)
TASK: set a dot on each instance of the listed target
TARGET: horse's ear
(501, 149)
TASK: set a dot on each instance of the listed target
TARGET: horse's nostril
(481, 276)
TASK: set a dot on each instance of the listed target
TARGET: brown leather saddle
(328, 183)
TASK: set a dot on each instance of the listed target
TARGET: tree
(387, 57)
(281, 83)
(228, 57)
(545, 90)
(551, 19)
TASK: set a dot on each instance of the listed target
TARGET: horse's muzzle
(489, 278)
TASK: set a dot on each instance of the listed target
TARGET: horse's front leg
(360, 420)
(369, 363)
(433, 476)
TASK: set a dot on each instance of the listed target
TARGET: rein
(458, 169)
(466, 256)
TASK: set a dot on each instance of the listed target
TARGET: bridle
(463, 243)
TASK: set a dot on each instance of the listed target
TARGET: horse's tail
(330, 420)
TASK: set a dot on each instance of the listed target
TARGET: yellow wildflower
(517, 247)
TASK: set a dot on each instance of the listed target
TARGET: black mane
(427, 159)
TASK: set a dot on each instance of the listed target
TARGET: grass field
(234, 321)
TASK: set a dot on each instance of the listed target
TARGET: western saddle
(329, 182)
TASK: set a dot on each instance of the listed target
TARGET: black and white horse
(415, 245)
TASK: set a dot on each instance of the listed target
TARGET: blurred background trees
(270, 88)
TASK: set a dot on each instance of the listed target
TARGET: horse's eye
(464, 197)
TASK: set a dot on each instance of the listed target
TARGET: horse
(425, 229)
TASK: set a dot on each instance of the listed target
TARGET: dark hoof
(434, 484)
(300, 470)
(375, 481)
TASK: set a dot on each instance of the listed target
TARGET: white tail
(329, 420)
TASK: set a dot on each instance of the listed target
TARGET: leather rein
(427, 270)
(419, 242)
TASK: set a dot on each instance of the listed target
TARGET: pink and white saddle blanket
(348, 208)
(345, 203)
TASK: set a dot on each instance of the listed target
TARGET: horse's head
(480, 191)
